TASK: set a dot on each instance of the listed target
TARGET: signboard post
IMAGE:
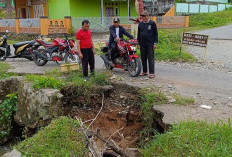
(196, 40)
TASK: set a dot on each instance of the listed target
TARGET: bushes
(7, 109)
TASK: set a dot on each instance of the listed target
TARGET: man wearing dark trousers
(116, 32)
(148, 39)
(86, 48)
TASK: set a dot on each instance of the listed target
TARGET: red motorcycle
(58, 50)
(126, 59)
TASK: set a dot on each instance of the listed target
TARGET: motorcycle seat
(16, 45)
(46, 43)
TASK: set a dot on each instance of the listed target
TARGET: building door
(109, 14)
(23, 13)
(109, 11)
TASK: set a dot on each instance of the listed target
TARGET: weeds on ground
(7, 109)
(183, 100)
(192, 138)
(3, 71)
(60, 138)
(55, 79)
(149, 98)
(40, 81)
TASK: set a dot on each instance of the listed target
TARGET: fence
(45, 26)
(42, 25)
(187, 9)
(99, 24)
(7, 24)
(171, 21)
(216, 1)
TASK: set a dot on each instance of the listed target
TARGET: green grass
(4, 67)
(58, 139)
(193, 139)
(3, 71)
(44, 81)
(203, 21)
(55, 79)
(183, 100)
(11, 42)
(76, 78)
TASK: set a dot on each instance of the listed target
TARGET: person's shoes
(143, 74)
(86, 78)
(151, 76)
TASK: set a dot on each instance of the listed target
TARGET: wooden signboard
(195, 40)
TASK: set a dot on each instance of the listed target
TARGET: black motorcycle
(22, 49)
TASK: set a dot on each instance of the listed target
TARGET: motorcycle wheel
(38, 60)
(2, 55)
(134, 67)
(72, 59)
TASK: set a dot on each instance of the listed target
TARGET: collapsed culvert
(114, 110)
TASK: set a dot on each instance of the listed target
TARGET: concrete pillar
(44, 25)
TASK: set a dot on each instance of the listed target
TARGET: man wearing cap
(148, 39)
(116, 32)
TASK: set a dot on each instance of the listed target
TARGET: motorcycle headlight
(133, 48)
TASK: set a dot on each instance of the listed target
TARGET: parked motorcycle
(22, 49)
(58, 50)
(126, 59)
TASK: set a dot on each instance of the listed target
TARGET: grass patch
(58, 139)
(51, 80)
(44, 81)
(11, 42)
(7, 109)
(192, 138)
(77, 79)
(183, 100)
(209, 20)
(4, 67)
(3, 71)
(169, 47)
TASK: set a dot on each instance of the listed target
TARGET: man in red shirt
(86, 48)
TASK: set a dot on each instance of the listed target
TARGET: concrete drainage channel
(114, 108)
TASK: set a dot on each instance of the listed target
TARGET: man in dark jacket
(148, 39)
(116, 32)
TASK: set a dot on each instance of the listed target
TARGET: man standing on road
(86, 48)
(116, 32)
(148, 39)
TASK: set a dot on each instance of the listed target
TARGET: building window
(116, 12)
